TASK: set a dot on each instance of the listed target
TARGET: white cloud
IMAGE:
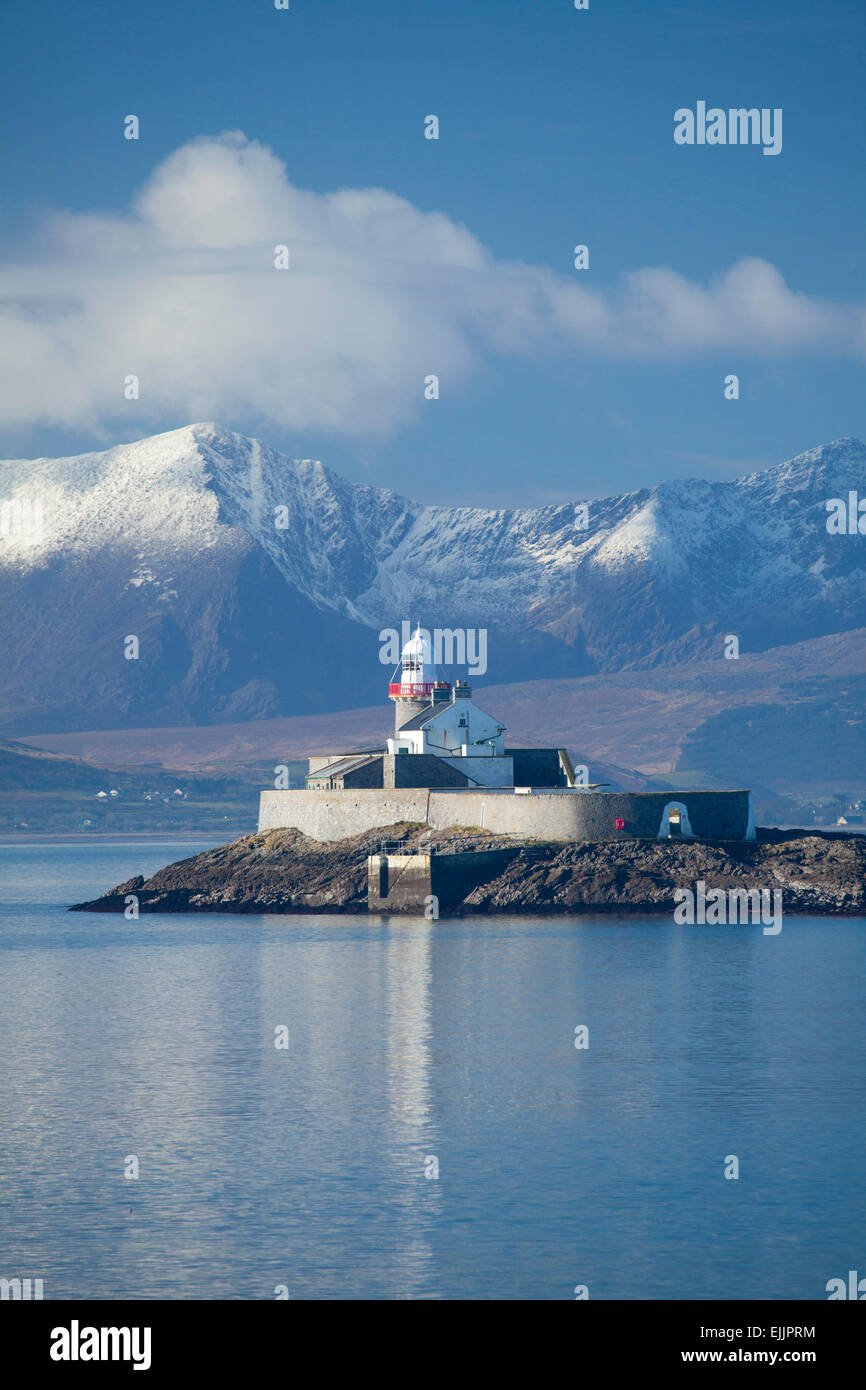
(182, 292)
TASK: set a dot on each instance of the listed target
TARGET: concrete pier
(429, 882)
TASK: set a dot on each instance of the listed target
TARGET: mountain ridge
(257, 584)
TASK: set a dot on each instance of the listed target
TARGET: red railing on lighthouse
(416, 690)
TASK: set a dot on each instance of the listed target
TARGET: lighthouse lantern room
(416, 683)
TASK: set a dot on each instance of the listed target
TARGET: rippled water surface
(411, 1041)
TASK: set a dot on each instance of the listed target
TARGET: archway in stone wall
(675, 823)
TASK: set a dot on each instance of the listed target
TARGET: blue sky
(556, 128)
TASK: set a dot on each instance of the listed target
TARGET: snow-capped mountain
(257, 584)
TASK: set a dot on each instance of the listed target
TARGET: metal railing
(397, 688)
(401, 847)
(398, 847)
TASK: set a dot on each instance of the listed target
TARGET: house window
(619, 823)
(462, 721)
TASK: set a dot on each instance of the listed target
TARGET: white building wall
(444, 734)
(488, 772)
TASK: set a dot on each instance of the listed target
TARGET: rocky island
(283, 871)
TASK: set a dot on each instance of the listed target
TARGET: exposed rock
(283, 871)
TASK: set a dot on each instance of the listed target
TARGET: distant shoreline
(10, 838)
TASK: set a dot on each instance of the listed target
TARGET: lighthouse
(446, 765)
(417, 683)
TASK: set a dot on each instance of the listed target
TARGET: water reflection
(413, 1131)
(409, 1039)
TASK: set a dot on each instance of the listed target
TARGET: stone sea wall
(542, 815)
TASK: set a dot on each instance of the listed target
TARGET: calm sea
(415, 1045)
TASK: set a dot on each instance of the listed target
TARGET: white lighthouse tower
(417, 683)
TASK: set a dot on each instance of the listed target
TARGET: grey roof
(345, 764)
(419, 720)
